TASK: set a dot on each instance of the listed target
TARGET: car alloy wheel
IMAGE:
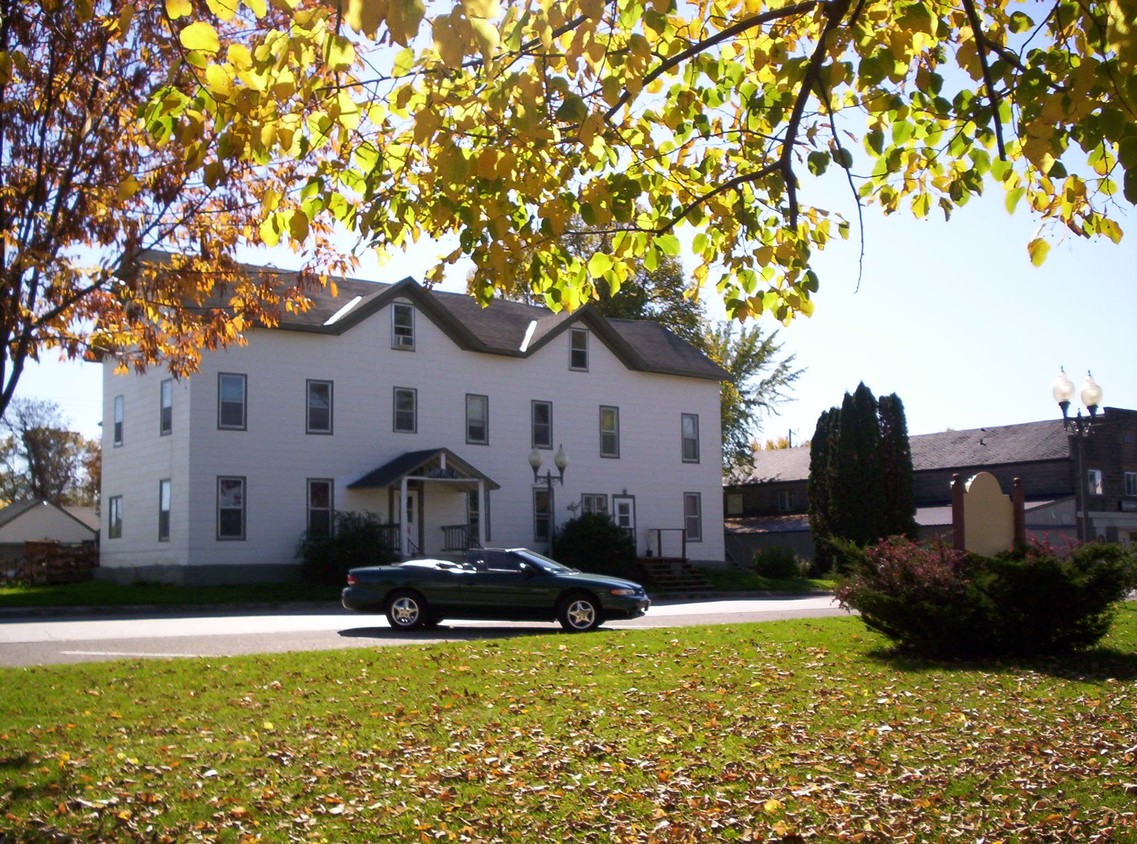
(405, 611)
(579, 615)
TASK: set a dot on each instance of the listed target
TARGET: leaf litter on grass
(788, 731)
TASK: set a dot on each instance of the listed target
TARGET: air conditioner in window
(404, 341)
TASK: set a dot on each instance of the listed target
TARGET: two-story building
(769, 507)
(421, 407)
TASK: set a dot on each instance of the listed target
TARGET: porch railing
(458, 538)
(658, 550)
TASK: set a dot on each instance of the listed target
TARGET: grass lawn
(783, 731)
(748, 580)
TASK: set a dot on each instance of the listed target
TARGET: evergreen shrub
(938, 602)
(779, 563)
(594, 543)
(358, 539)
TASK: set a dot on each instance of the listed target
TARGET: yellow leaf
(403, 19)
(485, 9)
(771, 806)
(127, 188)
(1038, 249)
(200, 36)
(225, 10)
(257, 7)
(298, 226)
(178, 9)
(218, 82)
(239, 56)
(365, 15)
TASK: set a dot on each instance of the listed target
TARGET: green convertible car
(513, 584)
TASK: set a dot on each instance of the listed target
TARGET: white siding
(277, 456)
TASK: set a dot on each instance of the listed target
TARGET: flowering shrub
(939, 602)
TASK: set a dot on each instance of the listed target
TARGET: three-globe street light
(561, 462)
(1079, 427)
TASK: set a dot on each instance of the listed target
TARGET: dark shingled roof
(500, 328)
(1027, 442)
(420, 463)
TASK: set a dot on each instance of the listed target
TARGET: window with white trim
(230, 508)
(320, 506)
(1094, 480)
(595, 503)
(542, 414)
(609, 431)
(319, 413)
(406, 410)
(164, 498)
(402, 327)
(578, 349)
(690, 433)
(693, 516)
(786, 501)
(231, 401)
(166, 407)
(477, 419)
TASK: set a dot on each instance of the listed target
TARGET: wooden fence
(49, 563)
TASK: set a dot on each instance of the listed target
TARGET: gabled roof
(439, 463)
(1027, 442)
(506, 328)
(80, 514)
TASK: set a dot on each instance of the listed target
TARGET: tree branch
(988, 81)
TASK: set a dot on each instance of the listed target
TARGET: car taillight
(351, 581)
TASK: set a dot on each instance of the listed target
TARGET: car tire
(407, 610)
(579, 613)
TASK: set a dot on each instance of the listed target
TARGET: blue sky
(951, 316)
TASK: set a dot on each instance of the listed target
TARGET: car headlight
(625, 593)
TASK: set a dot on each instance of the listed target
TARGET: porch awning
(429, 464)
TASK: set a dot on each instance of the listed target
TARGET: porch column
(403, 526)
(481, 513)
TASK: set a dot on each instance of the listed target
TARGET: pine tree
(820, 489)
(899, 492)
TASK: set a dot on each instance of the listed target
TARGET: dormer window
(403, 327)
(578, 350)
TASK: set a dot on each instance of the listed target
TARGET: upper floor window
(118, 419)
(319, 507)
(1094, 479)
(578, 349)
(595, 503)
(230, 508)
(542, 413)
(166, 407)
(477, 419)
(786, 501)
(609, 431)
(693, 516)
(319, 407)
(231, 400)
(164, 510)
(402, 327)
(406, 410)
(690, 438)
(1131, 484)
(734, 504)
(114, 517)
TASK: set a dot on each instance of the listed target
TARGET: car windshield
(542, 562)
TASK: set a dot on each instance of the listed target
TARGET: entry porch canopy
(432, 465)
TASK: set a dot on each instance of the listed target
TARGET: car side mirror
(528, 570)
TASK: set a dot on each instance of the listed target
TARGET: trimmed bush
(939, 602)
(594, 543)
(359, 539)
(779, 563)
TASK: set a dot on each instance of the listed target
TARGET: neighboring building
(770, 506)
(42, 521)
(421, 407)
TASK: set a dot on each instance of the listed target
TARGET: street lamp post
(1079, 428)
(561, 462)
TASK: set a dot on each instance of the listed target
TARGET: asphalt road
(47, 639)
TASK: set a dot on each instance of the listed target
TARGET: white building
(421, 407)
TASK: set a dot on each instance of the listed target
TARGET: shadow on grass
(1093, 665)
(444, 633)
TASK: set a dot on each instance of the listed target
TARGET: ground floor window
(594, 502)
(542, 515)
(114, 517)
(164, 510)
(230, 508)
(320, 507)
(693, 516)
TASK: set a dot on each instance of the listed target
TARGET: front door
(624, 512)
